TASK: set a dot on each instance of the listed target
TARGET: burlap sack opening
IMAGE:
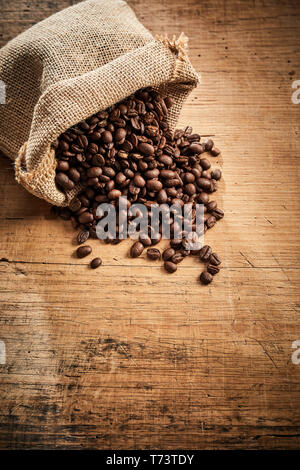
(72, 65)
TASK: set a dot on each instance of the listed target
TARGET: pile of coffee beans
(129, 150)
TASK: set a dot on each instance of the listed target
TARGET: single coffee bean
(83, 251)
(215, 152)
(216, 174)
(212, 269)
(75, 204)
(205, 163)
(217, 213)
(196, 149)
(95, 263)
(214, 259)
(153, 254)
(170, 267)
(114, 194)
(94, 172)
(177, 258)
(107, 137)
(210, 222)
(206, 277)
(205, 253)
(146, 149)
(136, 250)
(63, 180)
(211, 206)
(204, 184)
(62, 165)
(162, 197)
(208, 143)
(154, 185)
(139, 181)
(168, 253)
(83, 236)
(85, 218)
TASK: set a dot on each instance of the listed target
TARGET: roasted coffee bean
(153, 254)
(168, 253)
(170, 267)
(196, 149)
(154, 185)
(85, 218)
(206, 277)
(215, 152)
(208, 144)
(205, 163)
(83, 251)
(210, 222)
(211, 206)
(162, 197)
(107, 137)
(63, 180)
(83, 236)
(214, 259)
(114, 194)
(139, 181)
(95, 263)
(217, 213)
(177, 258)
(146, 149)
(212, 269)
(204, 184)
(216, 174)
(205, 253)
(62, 165)
(136, 250)
(75, 204)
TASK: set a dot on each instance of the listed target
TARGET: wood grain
(127, 356)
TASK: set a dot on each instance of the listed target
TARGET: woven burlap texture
(72, 65)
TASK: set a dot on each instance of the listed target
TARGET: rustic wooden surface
(128, 356)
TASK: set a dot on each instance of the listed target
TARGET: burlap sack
(72, 65)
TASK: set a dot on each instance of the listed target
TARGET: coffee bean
(62, 165)
(154, 185)
(208, 143)
(211, 206)
(114, 194)
(204, 184)
(205, 163)
(212, 269)
(95, 263)
(85, 218)
(206, 277)
(217, 213)
(205, 253)
(215, 152)
(146, 149)
(210, 222)
(63, 180)
(196, 149)
(214, 259)
(153, 254)
(83, 251)
(83, 236)
(168, 253)
(139, 181)
(107, 137)
(75, 204)
(170, 267)
(216, 174)
(177, 258)
(136, 249)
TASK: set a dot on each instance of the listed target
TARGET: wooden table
(127, 356)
